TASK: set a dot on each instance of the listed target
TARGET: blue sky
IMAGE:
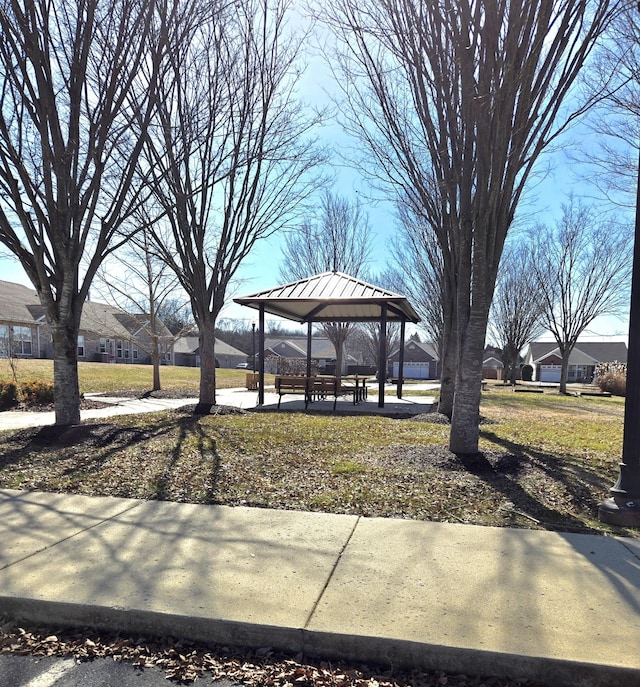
(261, 271)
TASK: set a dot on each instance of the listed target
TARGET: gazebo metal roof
(332, 297)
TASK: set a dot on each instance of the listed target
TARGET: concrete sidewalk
(19, 419)
(238, 397)
(561, 609)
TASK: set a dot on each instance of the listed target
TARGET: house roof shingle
(596, 351)
(190, 344)
(20, 303)
(320, 346)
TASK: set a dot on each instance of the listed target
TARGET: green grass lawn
(105, 378)
(546, 461)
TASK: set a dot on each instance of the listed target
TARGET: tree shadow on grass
(190, 432)
(146, 460)
(578, 488)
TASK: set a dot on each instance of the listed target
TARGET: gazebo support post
(382, 371)
(401, 359)
(261, 348)
(308, 349)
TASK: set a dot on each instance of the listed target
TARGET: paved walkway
(561, 609)
(238, 397)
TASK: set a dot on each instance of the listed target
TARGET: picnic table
(357, 385)
(320, 387)
(353, 385)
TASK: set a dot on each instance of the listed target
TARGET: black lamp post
(623, 508)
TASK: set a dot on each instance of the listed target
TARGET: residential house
(107, 334)
(323, 353)
(421, 361)
(21, 322)
(492, 365)
(546, 361)
(187, 353)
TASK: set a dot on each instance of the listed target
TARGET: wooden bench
(290, 384)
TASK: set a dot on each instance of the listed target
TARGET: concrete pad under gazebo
(333, 297)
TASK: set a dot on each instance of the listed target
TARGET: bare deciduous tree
(462, 96)
(68, 150)
(137, 281)
(517, 306)
(583, 271)
(614, 79)
(337, 240)
(231, 150)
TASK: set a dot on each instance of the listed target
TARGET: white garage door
(412, 370)
(550, 373)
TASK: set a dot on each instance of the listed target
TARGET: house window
(126, 350)
(22, 340)
(80, 346)
(168, 355)
(103, 345)
(119, 348)
(134, 351)
(4, 341)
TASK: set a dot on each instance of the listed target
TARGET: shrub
(615, 367)
(296, 366)
(615, 384)
(34, 392)
(8, 395)
(612, 377)
(527, 373)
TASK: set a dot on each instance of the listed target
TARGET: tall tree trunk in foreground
(466, 94)
(230, 149)
(77, 83)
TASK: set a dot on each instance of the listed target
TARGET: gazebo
(332, 297)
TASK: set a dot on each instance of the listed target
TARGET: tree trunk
(155, 337)
(448, 354)
(510, 359)
(449, 364)
(564, 369)
(465, 432)
(339, 358)
(207, 397)
(65, 375)
(337, 333)
(513, 368)
(155, 359)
